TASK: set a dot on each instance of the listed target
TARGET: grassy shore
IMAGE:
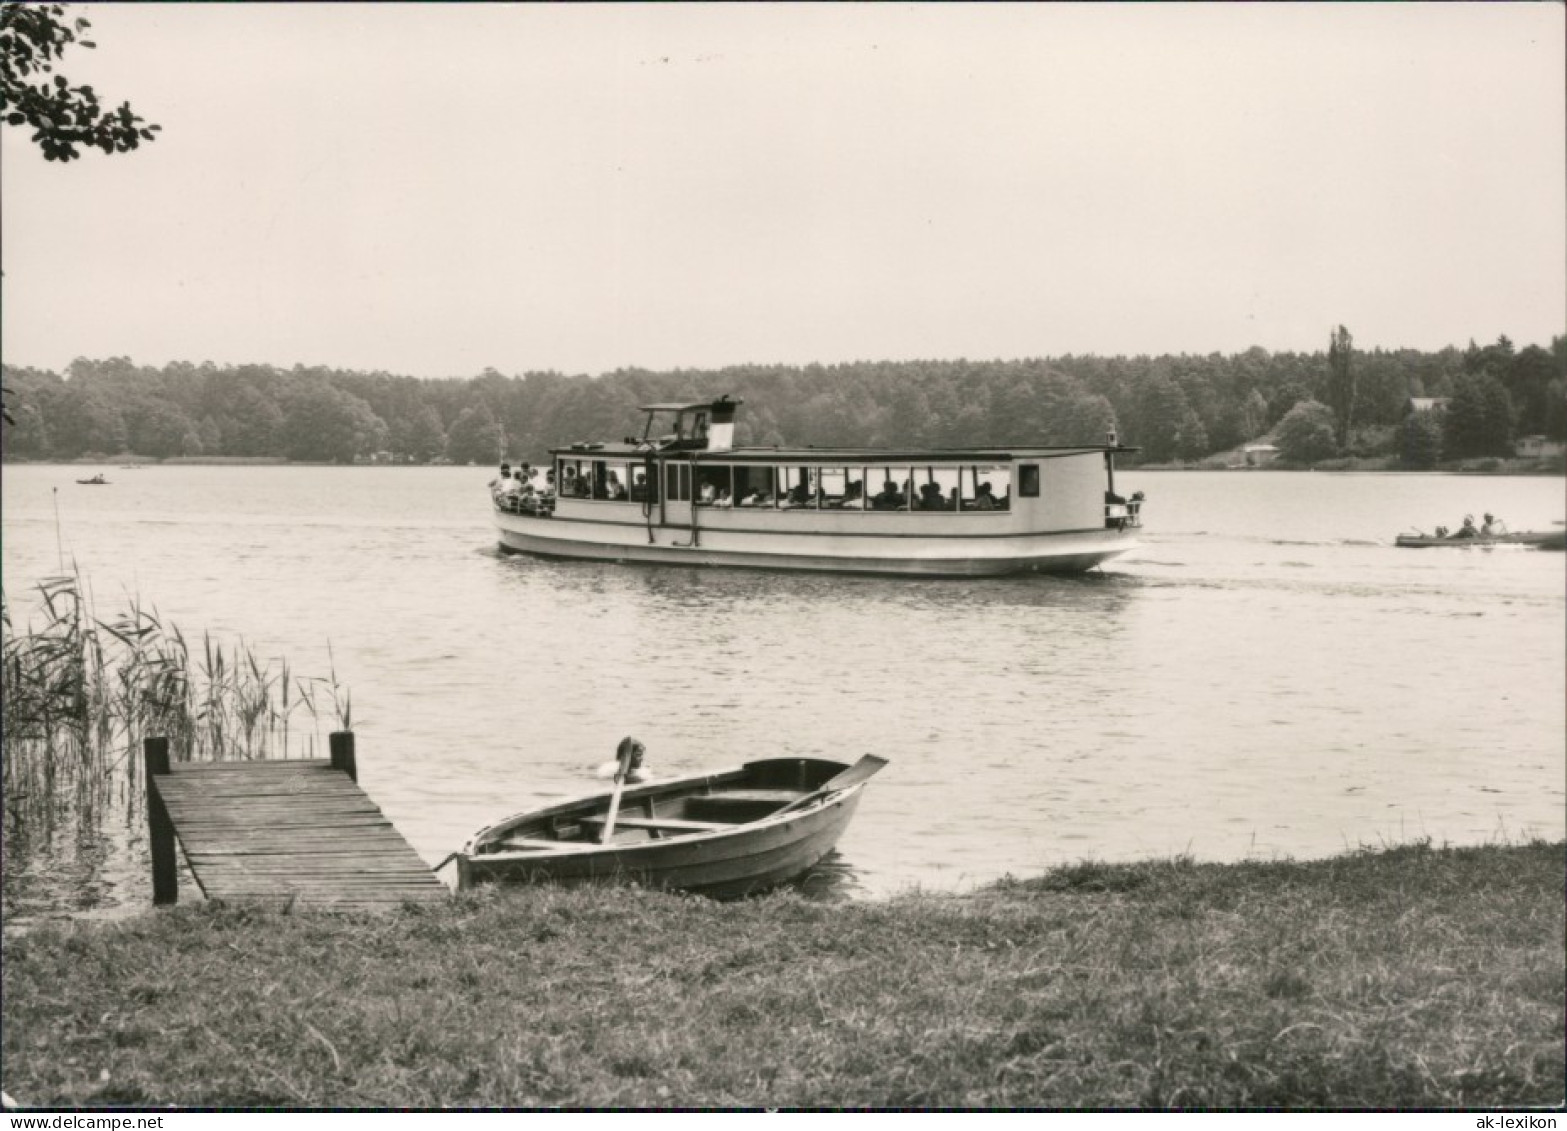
(1414, 977)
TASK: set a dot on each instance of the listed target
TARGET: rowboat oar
(854, 775)
(625, 754)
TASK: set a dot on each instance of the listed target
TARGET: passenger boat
(1538, 539)
(683, 494)
(95, 481)
(726, 833)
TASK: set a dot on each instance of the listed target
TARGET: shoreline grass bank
(1408, 978)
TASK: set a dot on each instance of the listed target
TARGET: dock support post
(160, 830)
(342, 746)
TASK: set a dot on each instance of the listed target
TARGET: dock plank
(295, 830)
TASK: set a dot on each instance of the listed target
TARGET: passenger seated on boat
(1493, 526)
(639, 488)
(931, 498)
(1468, 529)
(889, 498)
(799, 496)
(706, 495)
(983, 499)
(757, 498)
(723, 499)
(614, 488)
(505, 474)
(854, 494)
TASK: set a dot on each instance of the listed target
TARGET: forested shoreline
(1336, 403)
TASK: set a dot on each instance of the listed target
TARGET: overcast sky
(432, 189)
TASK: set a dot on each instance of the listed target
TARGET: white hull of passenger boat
(739, 539)
(688, 497)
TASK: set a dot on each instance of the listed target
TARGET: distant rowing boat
(95, 481)
(1538, 539)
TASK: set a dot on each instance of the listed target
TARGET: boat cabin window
(983, 488)
(1028, 481)
(935, 488)
(644, 488)
(615, 483)
(755, 487)
(715, 486)
(575, 477)
(794, 489)
(971, 488)
(679, 482)
(842, 487)
(891, 488)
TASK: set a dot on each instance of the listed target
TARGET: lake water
(1267, 677)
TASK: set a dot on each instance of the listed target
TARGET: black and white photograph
(817, 558)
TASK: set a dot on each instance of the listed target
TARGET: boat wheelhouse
(682, 493)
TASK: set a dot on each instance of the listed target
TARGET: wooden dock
(298, 831)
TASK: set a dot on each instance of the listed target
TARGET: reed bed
(81, 692)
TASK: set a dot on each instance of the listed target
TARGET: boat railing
(543, 505)
(1123, 516)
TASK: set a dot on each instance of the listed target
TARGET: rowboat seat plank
(521, 843)
(780, 796)
(659, 824)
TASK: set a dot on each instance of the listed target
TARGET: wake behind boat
(683, 494)
(727, 833)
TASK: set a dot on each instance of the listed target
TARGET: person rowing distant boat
(1493, 526)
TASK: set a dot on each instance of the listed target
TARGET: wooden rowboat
(726, 833)
(1539, 539)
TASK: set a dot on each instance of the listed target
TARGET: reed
(81, 692)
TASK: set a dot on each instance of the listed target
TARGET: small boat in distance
(1537, 539)
(683, 494)
(96, 481)
(727, 833)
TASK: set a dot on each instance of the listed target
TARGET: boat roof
(623, 450)
(675, 406)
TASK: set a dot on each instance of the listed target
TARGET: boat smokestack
(721, 428)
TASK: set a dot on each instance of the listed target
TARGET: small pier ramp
(297, 830)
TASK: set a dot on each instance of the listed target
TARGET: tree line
(1336, 402)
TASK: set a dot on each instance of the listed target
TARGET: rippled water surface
(1267, 677)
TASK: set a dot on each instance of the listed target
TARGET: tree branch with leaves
(65, 119)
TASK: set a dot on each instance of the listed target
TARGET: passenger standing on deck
(509, 489)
